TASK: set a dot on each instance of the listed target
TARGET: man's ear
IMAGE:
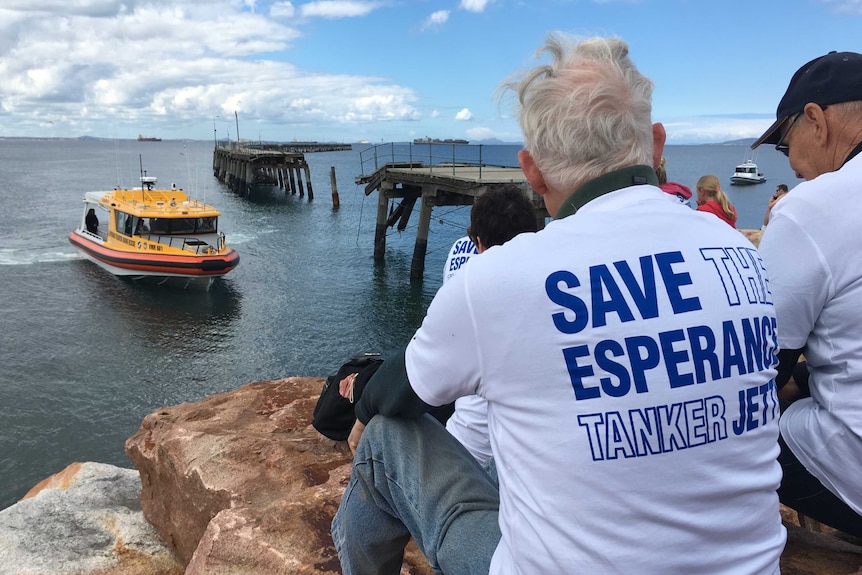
(817, 116)
(532, 173)
(659, 136)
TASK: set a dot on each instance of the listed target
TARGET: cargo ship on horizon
(146, 139)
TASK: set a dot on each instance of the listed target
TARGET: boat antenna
(143, 175)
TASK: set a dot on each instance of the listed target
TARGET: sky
(386, 70)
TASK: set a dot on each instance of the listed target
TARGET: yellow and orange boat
(159, 235)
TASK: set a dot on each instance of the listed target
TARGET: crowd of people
(637, 365)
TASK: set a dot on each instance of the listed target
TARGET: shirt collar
(612, 181)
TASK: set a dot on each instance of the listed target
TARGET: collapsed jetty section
(244, 165)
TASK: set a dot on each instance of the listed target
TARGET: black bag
(334, 415)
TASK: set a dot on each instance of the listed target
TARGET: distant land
(486, 141)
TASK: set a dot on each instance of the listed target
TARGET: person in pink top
(711, 199)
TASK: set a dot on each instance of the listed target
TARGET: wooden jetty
(244, 165)
(445, 178)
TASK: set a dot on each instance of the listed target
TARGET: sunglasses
(781, 146)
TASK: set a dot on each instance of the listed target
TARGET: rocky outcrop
(238, 483)
(753, 236)
(84, 520)
(241, 482)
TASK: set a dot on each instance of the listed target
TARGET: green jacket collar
(612, 181)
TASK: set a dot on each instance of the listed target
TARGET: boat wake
(14, 257)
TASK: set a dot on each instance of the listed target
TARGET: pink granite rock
(240, 480)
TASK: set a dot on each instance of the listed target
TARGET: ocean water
(84, 356)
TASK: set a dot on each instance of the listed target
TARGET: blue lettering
(732, 350)
(577, 373)
(702, 342)
(618, 439)
(695, 417)
(645, 430)
(614, 368)
(674, 281)
(602, 282)
(641, 364)
(645, 299)
(566, 300)
(673, 436)
(592, 422)
(753, 343)
(672, 358)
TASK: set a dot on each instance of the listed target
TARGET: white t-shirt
(628, 374)
(459, 254)
(469, 422)
(813, 250)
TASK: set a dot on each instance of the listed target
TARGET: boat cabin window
(181, 226)
(206, 224)
(127, 224)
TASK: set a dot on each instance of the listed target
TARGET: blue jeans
(412, 478)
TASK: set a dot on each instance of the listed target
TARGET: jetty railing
(442, 158)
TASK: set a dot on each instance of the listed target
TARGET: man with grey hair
(813, 250)
(628, 375)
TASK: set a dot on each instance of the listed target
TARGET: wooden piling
(417, 266)
(336, 202)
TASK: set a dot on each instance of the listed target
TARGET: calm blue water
(85, 356)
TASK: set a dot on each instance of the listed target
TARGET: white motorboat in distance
(747, 173)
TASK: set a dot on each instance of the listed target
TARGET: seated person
(773, 199)
(711, 198)
(812, 251)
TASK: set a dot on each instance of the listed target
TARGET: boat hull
(743, 181)
(181, 270)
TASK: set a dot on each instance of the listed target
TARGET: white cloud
(718, 129)
(464, 115)
(845, 6)
(436, 19)
(166, 66)
(474, 5)
(338, 8)
(282, 10)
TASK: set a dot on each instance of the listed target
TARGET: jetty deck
(438, 175)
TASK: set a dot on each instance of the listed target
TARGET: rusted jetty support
(243, 166)
(450, 183)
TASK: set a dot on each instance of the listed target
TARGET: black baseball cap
(830, 79)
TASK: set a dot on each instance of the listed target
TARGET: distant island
(144, 139)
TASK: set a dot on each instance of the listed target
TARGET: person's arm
(388, 392)
(772, 201)
(787, 362)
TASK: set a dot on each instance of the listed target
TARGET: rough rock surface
(84, 520)
(241, 483)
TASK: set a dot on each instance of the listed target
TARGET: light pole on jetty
(215, 137)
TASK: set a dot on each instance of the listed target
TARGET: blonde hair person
(679, 192)
(710, 198)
